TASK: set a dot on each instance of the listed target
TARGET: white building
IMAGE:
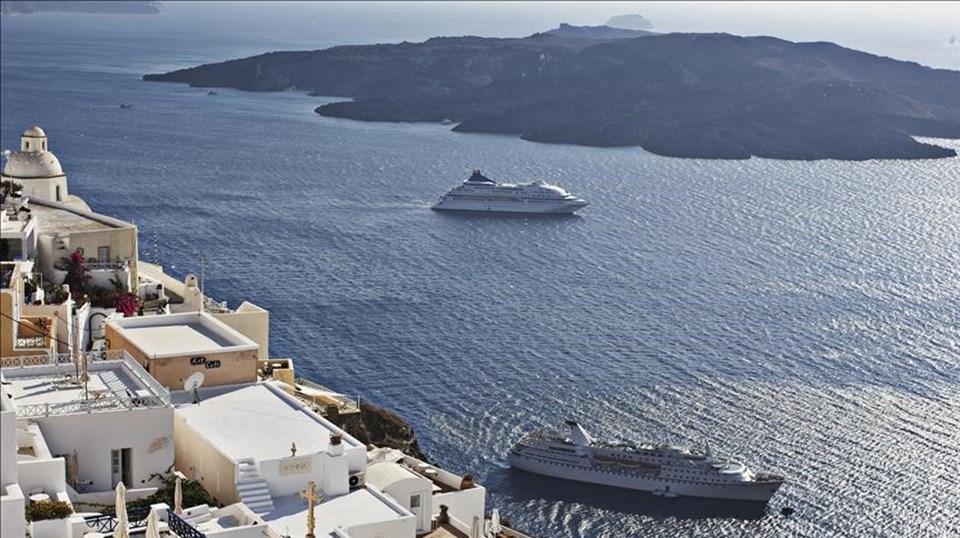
(18, 232)
(118, 426)
(422, 489)
(37, 169)
(259, 445)
(254, 443)
(175, 347)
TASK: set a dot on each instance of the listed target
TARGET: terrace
(53, 385)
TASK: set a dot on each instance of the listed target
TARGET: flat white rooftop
(55, 217)
(176, 335)
(175, 338)
(251, 421)
(358, 507)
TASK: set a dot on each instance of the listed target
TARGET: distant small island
(633, 21)
(680, 95)
(26, 7)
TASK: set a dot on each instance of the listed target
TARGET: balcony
(33, 335)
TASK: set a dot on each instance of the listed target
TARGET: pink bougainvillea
(77, 277)
(126, 302)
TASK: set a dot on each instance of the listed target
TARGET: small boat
(125, 105)
(211, 92)
(664, 493)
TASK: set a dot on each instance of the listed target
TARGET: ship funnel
(578, 435)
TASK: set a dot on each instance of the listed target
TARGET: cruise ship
(480, 193)
(664, 470)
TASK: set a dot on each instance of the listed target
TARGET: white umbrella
(178, 498)
(495, 527)
(153, 525)
(475, 529)
(121, 504)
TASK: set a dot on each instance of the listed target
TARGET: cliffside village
(119, 380)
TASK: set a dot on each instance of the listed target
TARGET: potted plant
(48, 519)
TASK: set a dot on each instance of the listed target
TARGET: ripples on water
(801, 315)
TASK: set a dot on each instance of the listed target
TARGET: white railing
(58, 359)
(31, 342)
(146, 378)
(90, 404)
(106, 266)
(25, 360)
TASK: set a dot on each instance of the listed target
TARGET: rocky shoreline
(384, 428)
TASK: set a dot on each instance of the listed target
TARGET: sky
(917, 31)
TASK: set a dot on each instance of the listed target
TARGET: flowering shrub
(77, 277)
(126, 302)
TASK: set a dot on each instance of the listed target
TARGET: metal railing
(107, 524)
(182, 527)
(90, 404)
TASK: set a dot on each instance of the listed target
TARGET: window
(103, 254)
(59, 198)
(414, 501)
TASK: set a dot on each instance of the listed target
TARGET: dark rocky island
(681, 95)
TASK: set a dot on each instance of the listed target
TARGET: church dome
(35, 132)
(29, 164)
(33, 161)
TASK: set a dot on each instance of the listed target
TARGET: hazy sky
(918, 31)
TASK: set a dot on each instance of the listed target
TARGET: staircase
(252, 489)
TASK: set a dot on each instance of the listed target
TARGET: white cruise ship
(480, 193)
(664, 470)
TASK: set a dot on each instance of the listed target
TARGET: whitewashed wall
(12, 504)
(463, 504)
(148, 432)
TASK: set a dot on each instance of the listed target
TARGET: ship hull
(741, 491)
(509, 207)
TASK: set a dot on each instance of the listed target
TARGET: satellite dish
(194, 382)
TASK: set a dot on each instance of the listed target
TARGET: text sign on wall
(208, 364)
(296, 465)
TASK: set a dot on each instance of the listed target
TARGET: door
(120, 464)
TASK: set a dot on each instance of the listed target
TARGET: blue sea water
(802, 315)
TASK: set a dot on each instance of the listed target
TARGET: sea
(801, 316)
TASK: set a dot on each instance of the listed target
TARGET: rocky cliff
(384, 428)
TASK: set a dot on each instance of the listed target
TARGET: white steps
(252, 489)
